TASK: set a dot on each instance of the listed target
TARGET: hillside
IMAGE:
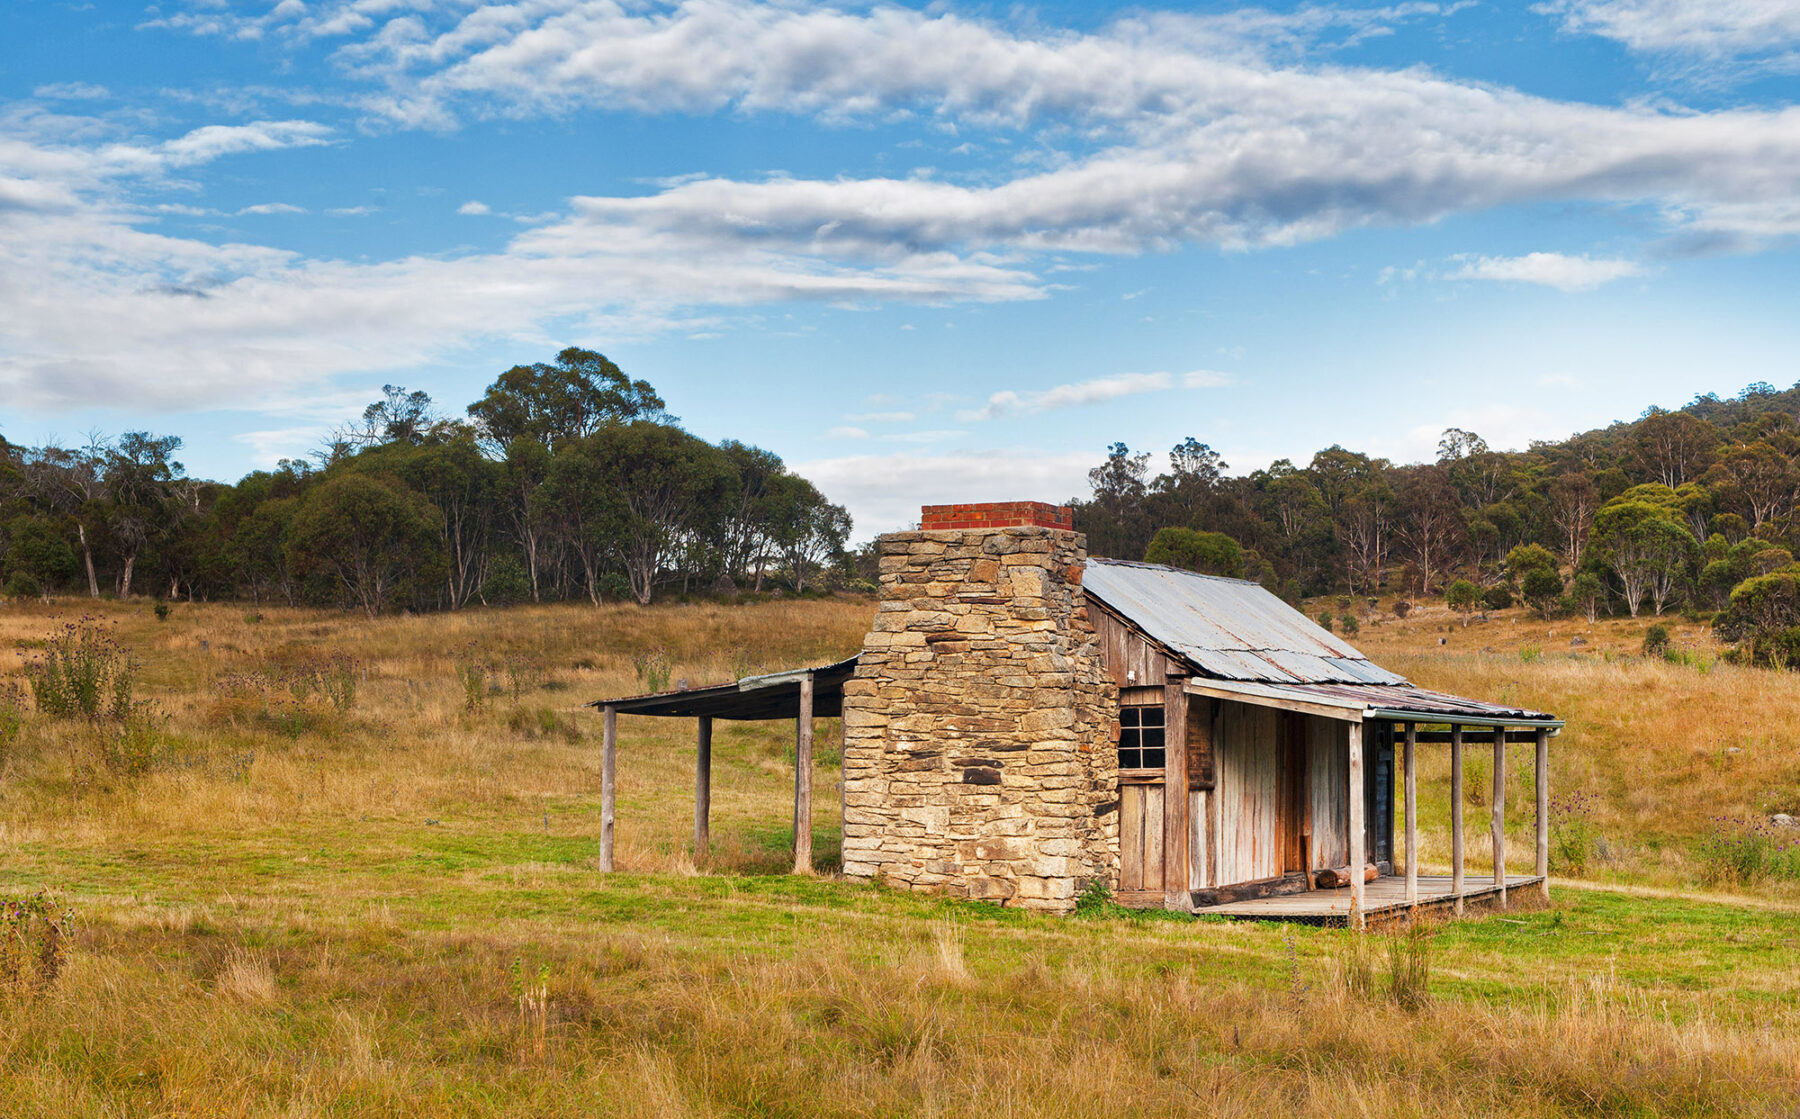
(392, 908)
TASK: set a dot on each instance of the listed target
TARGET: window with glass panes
(1141, 737)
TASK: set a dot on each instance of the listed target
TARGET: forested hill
(1674, 508)
(567, 479)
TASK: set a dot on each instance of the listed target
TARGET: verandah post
(1543, 810)
(1456, 816)
(1358, 845)
(702, 786)
(609, 742)
(1412, 814)
(1499, 824)
(803, 749)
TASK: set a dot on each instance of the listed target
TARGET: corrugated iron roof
(1398, 702)
(775, 695)
(1230, 629)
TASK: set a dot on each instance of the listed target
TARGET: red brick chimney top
(996, 515)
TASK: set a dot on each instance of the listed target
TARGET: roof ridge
(1109, 562)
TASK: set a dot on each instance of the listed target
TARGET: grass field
(392, 909)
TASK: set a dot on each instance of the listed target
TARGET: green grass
(333, 928)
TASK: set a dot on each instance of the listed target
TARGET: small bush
(1497, 598)
(1572, 831)
(1530, 654)
(1350, 625)
(542, 722)
(23, 584)
(1744, 852)
(1325, 620)
(83, 674)
(1656, 640)
(162, 610)
(653, 670)
(12, 721)
(34, 937)
(1402, 608)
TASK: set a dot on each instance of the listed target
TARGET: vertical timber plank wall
(1328, 757)
(1176, 892)
(1249, 794)
(980, 727)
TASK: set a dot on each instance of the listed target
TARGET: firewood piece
(1337, 877)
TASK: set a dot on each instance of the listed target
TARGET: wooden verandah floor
(1383, 899)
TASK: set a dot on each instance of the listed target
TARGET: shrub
(1325, 620)
(162, 610)
(23, 584)
(1350, 625)
(1461, 596)
(12, 720)
(1743, 852)
(1210, 553)
(653, 670)
(83, 674)
(1542, 586)
(1572, 831)
(507, 582)
(1402, 608)
(34, 937)
(1656, 640)
(1497, 598)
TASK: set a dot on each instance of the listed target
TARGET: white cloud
(474, 209)
(847, 433)
(1099, 390)
(1556, 270)
(1714, 28)
(884, 492)
(352, 211)
(1156, 131)
(273, 208)
(936, 436)
(71, 91)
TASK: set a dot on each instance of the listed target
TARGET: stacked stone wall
(979, 728)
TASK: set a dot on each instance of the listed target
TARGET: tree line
(1695, 509)
(566, 480)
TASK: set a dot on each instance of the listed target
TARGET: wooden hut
(1024, 723)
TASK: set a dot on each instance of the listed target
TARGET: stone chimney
(978, 730)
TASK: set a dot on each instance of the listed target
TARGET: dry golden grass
(394, 910)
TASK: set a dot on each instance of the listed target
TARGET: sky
(924, 252)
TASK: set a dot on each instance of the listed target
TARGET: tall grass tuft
(1409, 967)
(83, 673)
(34, 936)
(12, 721)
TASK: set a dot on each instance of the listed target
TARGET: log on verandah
(1337, 877)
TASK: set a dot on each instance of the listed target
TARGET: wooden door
(1140, 839)
(1251, 845)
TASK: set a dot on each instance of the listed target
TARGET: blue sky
(926, 253)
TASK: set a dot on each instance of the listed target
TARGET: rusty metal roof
(772, 696)
(1393, 702)
(1230, 629)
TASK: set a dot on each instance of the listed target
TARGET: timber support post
(1543, 810)
(1358, 841)
(803, 767)
(1499, 824)
(1177, 894)
(1410, 761)
(609, 750)
(1456, 816)
(702, 786)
